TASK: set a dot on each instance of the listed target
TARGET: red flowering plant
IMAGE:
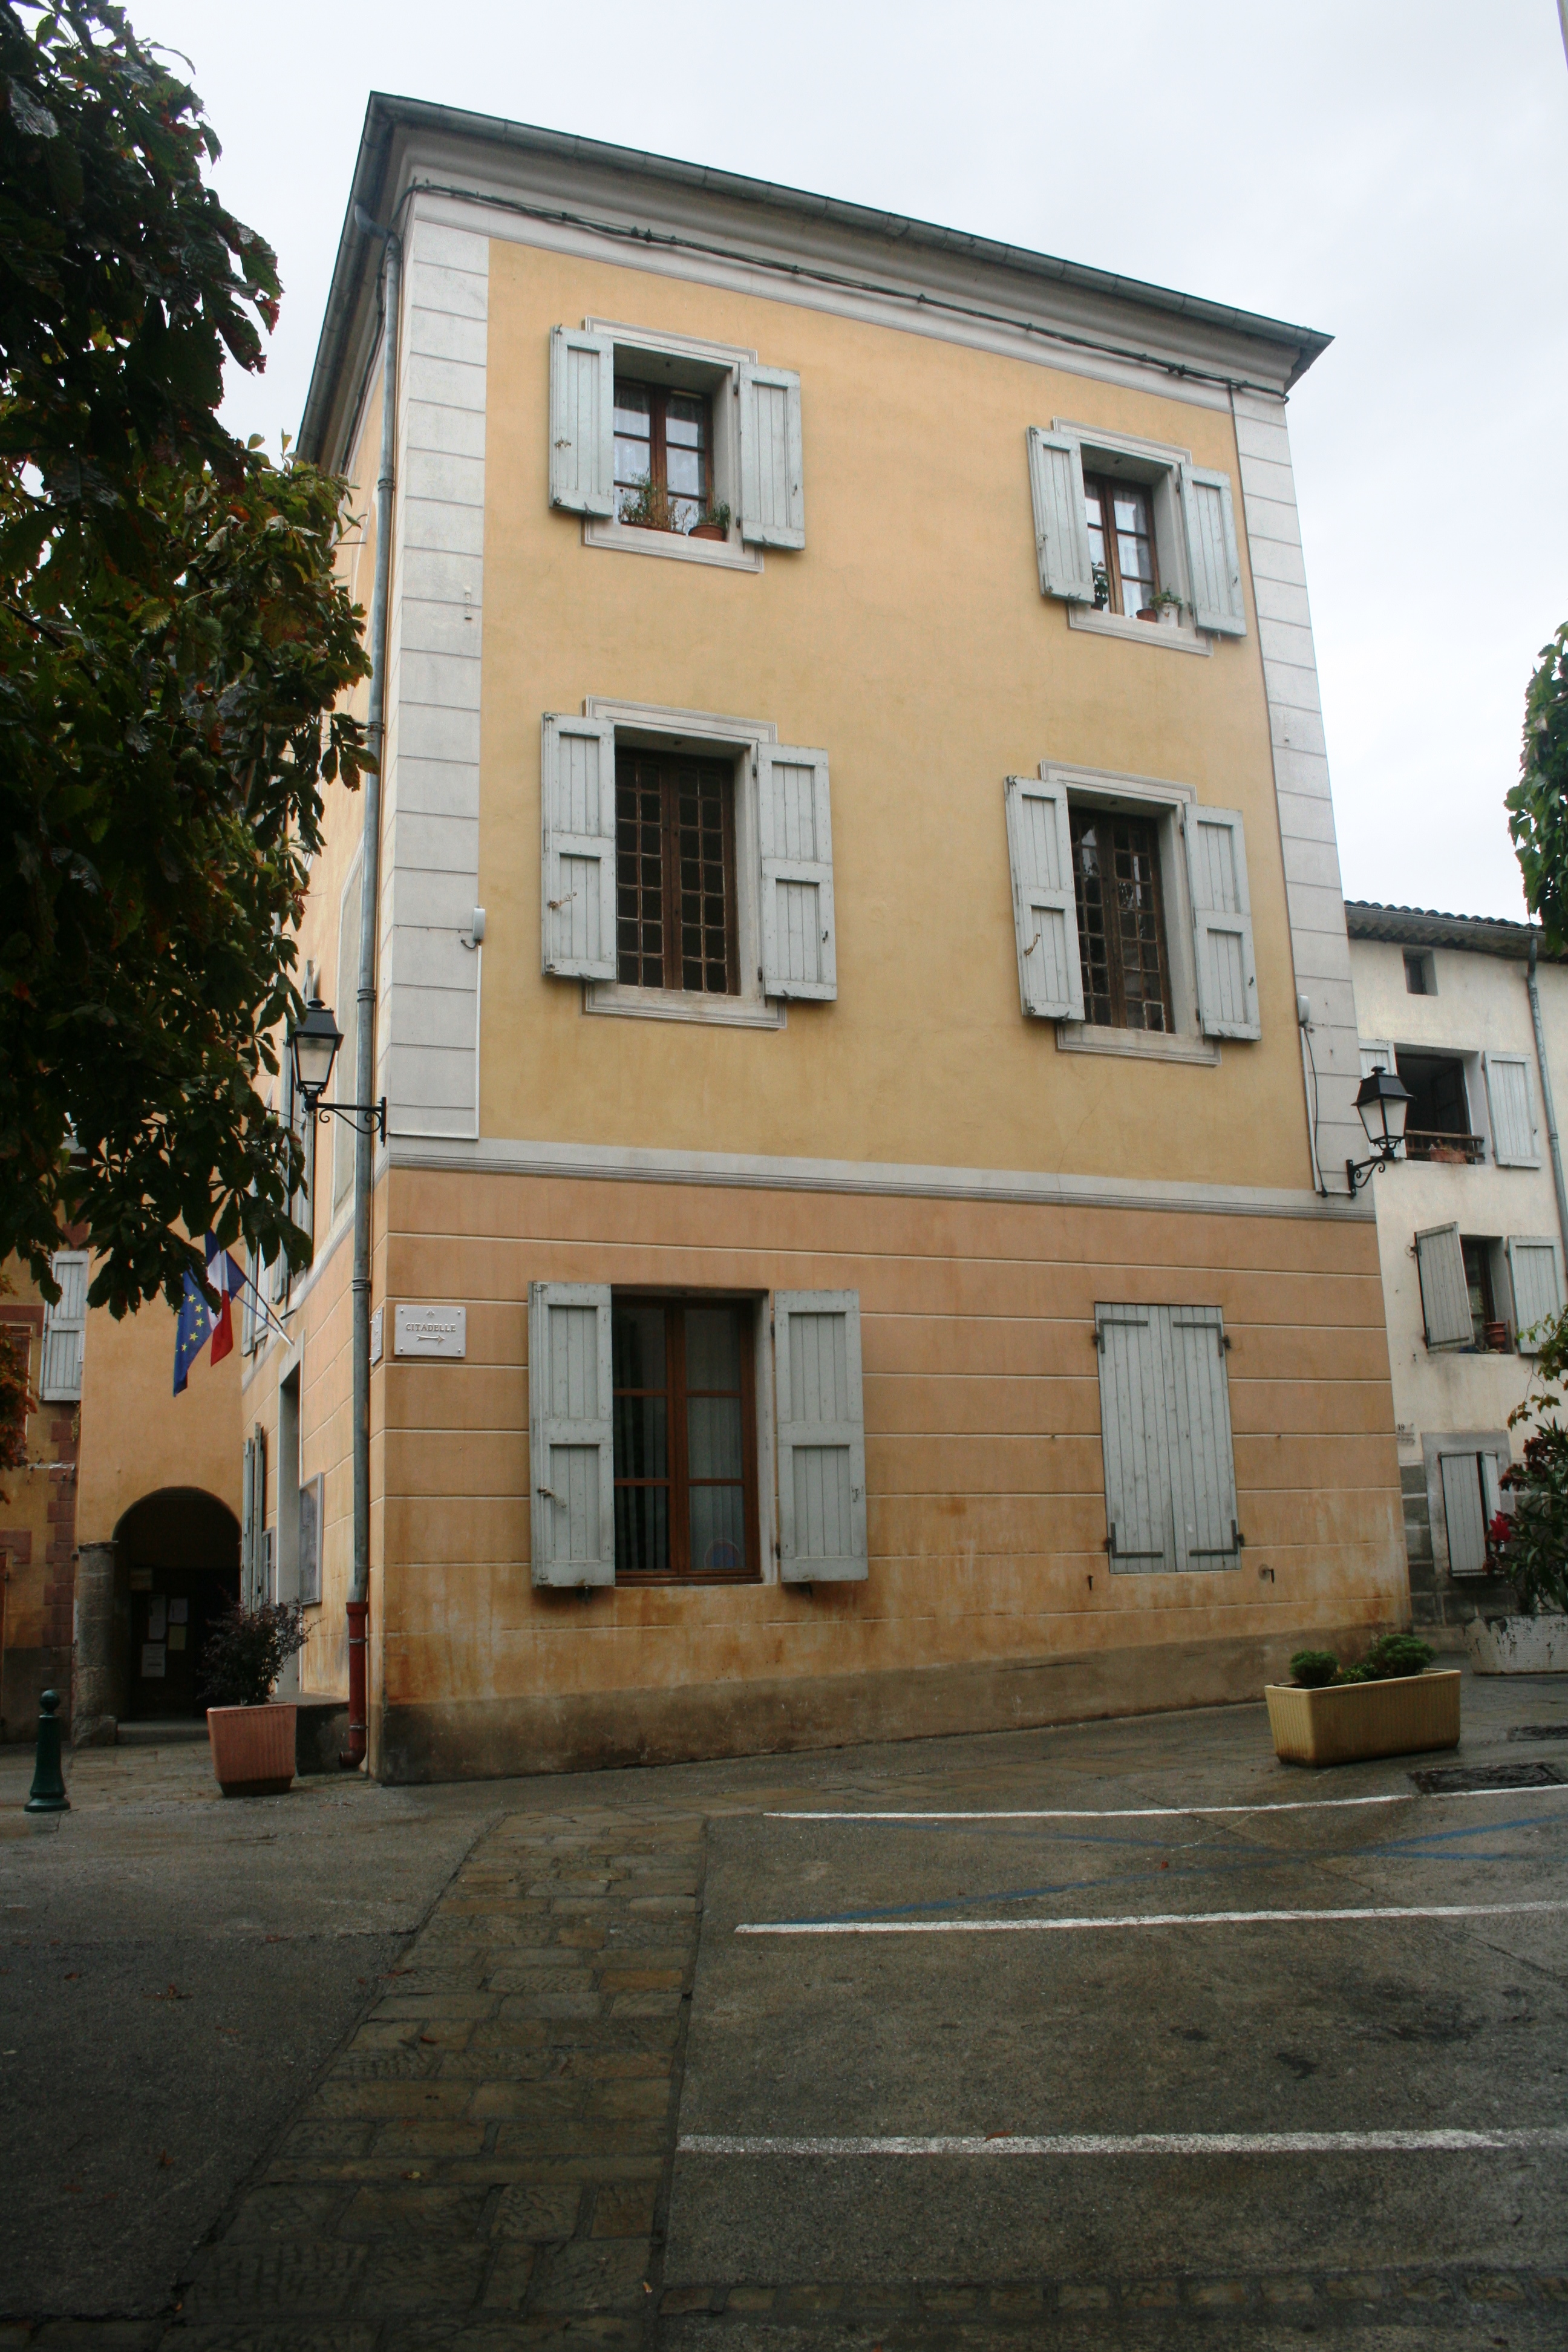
(1530, 1544)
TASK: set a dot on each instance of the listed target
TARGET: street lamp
(313, 1046)
(1384, 1102)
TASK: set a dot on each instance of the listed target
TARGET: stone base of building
(603, 1730)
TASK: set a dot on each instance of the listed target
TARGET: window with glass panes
(675, 874)
(1121, 545)
(1121, 921)
(685, 1441)
(663, 457)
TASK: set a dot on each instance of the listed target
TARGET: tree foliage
(173, 644)
(248, 1651)
(1538, 803)
(1530, 1543)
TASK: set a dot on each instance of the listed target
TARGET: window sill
(677, 1005)
(729, 554)
(1179, 640)
(1136, 1044)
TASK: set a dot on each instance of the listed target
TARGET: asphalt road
(175, 1970)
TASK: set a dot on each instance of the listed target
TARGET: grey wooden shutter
(1136, 1440)
(1222, 923)
(312, 1499)
(795, 832)
(1045, 913)
(65, 1331)
(772, 480)
(1537, 1284)
(1464, 1510)
(1203, 1460)
(254, 1556)
(1374, 1057)
(1214, 567)
(572, 1466)
(1445, 1292)
(1061, 525)
(821, 1436)
(247, 1521)
(349, 910)
(1512, 1109)
(582, 422)
(577, 869)
(280, 1263)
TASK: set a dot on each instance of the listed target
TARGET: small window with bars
(1121, 921)
(685, 1441)
(675, 874)
(1120, 519)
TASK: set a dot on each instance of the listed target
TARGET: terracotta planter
(707, 530)
(253, 1750)
(1343, 1725)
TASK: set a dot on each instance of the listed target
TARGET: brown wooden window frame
(678, 1479)
(675, 871)
(1080, 815)
(659, 396)
(1105, 488)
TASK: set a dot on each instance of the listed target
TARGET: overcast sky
(1394, 173)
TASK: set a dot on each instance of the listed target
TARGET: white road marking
(1131, 1919)
(1168, 1812)
(1302, 2143)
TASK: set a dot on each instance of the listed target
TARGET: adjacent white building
(1471, 1219)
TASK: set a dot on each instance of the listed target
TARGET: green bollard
(47, 1793)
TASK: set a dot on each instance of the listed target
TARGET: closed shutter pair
(1534, 1274)
(65, 1331)
(1208, 529)
(794, 837)
(1164, 1418)
(254, 1558)
(772, 502)
(820, 1426)
(1045, 909)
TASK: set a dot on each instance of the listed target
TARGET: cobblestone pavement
(489, 2159)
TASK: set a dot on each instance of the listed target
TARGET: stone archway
(176, 1569)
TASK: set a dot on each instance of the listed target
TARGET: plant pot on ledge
(1345, 1723)
(253, 1749)
(709, 531)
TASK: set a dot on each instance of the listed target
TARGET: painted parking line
(1135, 1919)
(1342, 2143)
(1171, 1813)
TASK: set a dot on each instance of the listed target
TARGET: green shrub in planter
(1312, 1669)
(248, 1652)
(1390, 1656)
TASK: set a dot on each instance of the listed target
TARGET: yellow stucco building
(863, 1000)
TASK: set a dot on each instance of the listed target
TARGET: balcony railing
(1456, 1150)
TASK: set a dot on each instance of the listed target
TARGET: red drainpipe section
(359, 1621)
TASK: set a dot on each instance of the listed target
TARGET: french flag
(229, 1281)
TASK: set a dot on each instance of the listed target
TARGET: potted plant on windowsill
(252, 1740)
(1167, 609)
(1387, 1705)
(713, 522)
(1528, 1544)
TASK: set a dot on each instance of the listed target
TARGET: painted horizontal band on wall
(1059, 2144)
(636, 1164)
(1135, 1919)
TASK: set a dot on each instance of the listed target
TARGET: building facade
(38, 1499)
(1470, 1220)
(850, 1252)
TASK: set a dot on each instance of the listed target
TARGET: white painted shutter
(1512, 1109)
(1445, 1292)
(773, 481)
(1464, 1509)
(821, 1436)
(1061, 526)
(578, 913)
(1214, 567)
(582, 422)
(1222, 923)
(1537, 1284)
(1045, 913)
(795, 836)
(572, 1464)
(1203, 1461)
(1374, 1057)
(65, 1331)
(1135, 1439)
(312, 1495)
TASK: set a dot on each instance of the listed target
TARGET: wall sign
(431, 1331)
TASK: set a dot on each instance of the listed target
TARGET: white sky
(1393, 171)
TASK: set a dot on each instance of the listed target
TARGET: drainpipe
(1546, 1102)
(370, 904)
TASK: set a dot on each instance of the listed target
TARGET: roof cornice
(1426, 927)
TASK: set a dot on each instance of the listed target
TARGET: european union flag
(192, 1332)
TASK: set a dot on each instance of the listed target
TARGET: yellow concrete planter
(1343, 1725)
(252, 1749)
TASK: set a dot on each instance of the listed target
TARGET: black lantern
(1384, 1102)
(315, 1042)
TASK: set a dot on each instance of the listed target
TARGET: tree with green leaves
(1538, 803)
(173, 647)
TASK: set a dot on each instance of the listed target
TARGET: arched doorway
(177, 1569)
